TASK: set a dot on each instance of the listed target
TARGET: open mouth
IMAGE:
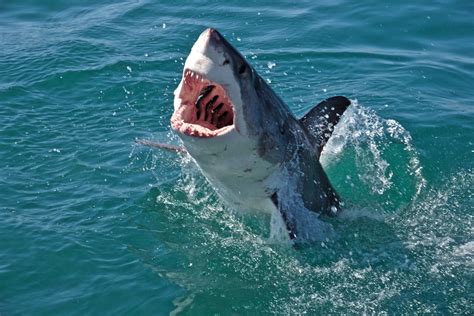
(205, 110)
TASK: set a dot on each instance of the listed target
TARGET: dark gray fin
(322, 118)
(173, 148)
(290, 226)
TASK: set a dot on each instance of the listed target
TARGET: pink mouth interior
(205, 109)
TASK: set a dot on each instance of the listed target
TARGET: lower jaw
(191, 130)
(196, 130)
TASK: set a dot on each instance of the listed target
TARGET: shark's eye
(226, 62)
(242, 69)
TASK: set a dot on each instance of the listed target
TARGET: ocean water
(92, 223)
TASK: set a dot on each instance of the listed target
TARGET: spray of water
(379, 162)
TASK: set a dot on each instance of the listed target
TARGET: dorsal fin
(322, 118)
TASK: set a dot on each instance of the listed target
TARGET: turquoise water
(92, 223)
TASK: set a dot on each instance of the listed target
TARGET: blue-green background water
(91, 223)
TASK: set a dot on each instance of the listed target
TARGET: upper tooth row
(194, 74)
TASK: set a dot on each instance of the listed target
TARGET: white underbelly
(242, 193)
(235, 170)
(243, 182)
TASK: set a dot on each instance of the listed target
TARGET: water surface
(92, 223)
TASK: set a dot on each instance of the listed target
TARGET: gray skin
(294, 145)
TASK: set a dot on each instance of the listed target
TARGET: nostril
(242, 69)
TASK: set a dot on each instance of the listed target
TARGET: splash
(378, 159)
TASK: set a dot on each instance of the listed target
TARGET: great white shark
(247, 143)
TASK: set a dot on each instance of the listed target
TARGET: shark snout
(209, 44)
(211, 34)
(217, 49)
(211, 38)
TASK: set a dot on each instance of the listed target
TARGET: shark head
(208, 101)
(219, 93)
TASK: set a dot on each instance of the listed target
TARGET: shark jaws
(248, 144)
